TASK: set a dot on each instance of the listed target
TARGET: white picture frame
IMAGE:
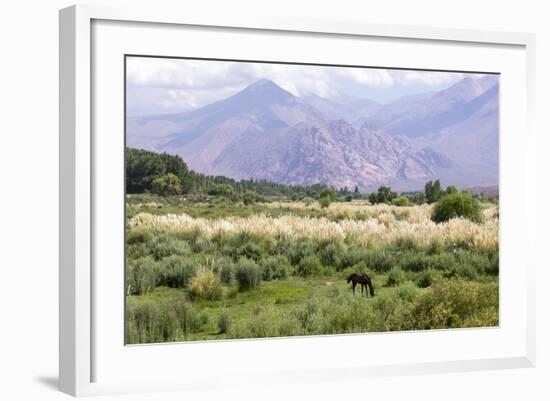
(81, 347)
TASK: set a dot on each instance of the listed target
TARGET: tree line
(165, 174)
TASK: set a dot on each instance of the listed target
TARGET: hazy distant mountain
(266, 132)
(460, 122)
(350, 109)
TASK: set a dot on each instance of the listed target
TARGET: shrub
(461, 270)
(224, 322)
(331, 253)
(450, 304)
(162, 246)
(426, 278)
(137, 235)
(407, 291)
(205, 285)
(201, 244)
(400, 201)
(460, 204)
(298, 250)
(247, 274)
(150, 322)
(309, 266)
(307, 201)
(328, 193)
(348, 198)
(379, 261)
(324, 202)
(250, 250)
(395, 277)
(226, 269)
(275, 268)
(405, 243)
(141, 276)
(176, 271)
(350, 257)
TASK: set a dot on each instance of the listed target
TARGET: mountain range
(266, 132)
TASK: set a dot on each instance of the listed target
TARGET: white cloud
(429, 78)
(170, 85)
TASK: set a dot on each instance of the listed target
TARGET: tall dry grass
(385, 225)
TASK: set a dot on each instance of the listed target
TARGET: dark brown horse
(364, 280)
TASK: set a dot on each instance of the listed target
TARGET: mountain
(346, 108)
(330, 152)
(264, 131)
(429, 113)
(459, 123)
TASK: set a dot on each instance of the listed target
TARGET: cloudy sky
(161, 85)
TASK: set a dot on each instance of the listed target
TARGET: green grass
(303, 290)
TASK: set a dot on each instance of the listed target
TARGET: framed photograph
(280, 200)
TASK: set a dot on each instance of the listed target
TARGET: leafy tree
(249, 197)
(417, 198)
(451, 189)
(222, 190)
(432, 191)
(384, 195)
(348, 198)
(459, 204)
(356, 189)
(328, 193)
(168, 184)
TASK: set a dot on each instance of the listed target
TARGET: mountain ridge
(264, 131)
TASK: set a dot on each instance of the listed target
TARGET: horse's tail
(369, 284)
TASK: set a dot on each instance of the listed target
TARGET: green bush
(161, 246)
(226, 269)
(400, 201)
(426, 278)
(224, 322)
(328, 193)
(451, 303)
(331, 253)
(250, 250)
(247, 274)
(395, 277)
(136, 235)
(298, 250)
(205, 285)
(176, 271)
(275, 268)
(309, 266)
(151, 322)
(407, 291)
(324, 202)
(142, 276)
(380, 261)
(460, 204)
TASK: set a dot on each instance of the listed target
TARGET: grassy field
(206, 268)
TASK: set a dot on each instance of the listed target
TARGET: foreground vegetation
(211, 267)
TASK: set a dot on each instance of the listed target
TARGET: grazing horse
(364, 280)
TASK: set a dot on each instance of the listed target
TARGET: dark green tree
(384, 195)
(432, 191)
(168, 184)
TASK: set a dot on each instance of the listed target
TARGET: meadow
(210, 268)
